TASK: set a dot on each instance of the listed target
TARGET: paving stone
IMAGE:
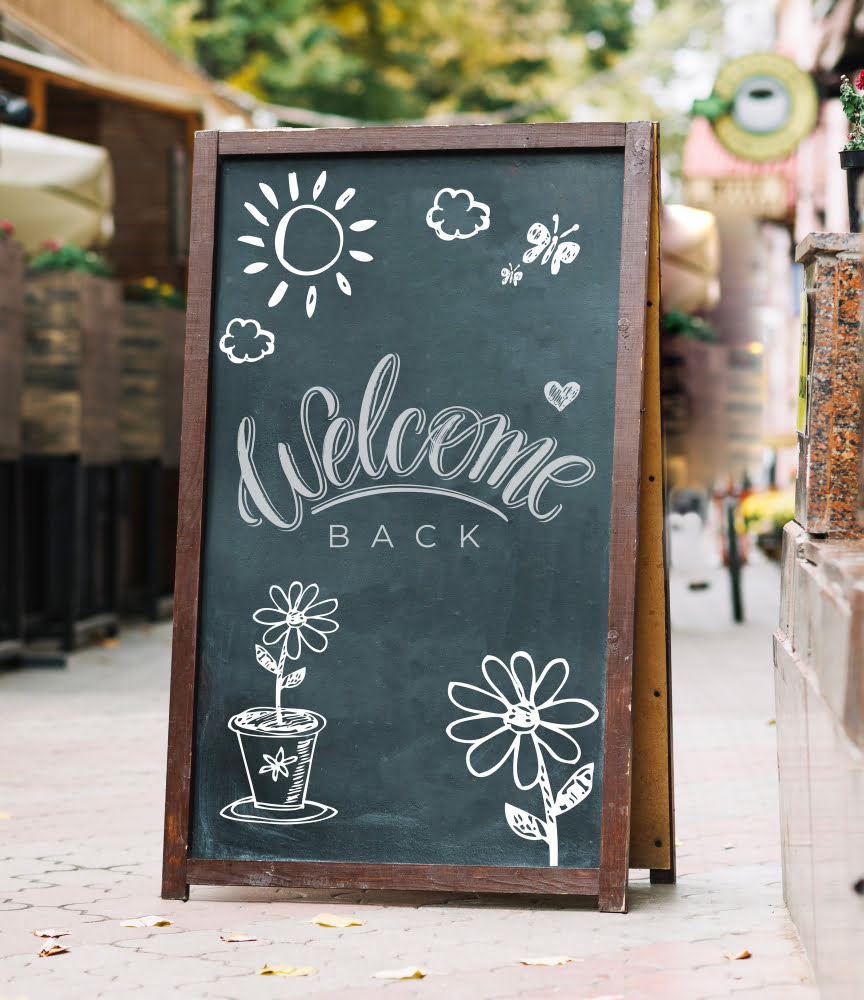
(86, 855)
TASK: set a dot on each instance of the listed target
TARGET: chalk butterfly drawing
(277, 743)
(520, 715)
(543, 240)
(510, 275)
(290, 243)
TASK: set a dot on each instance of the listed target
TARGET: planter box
(173, 347)
(11, 348)
(71, 390)
(151, 381)
(141, 343)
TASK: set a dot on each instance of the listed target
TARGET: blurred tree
(380, 60)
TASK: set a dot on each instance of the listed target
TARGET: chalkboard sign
(409, 498)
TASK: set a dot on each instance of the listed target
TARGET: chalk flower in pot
(277, 742)
(852, 154)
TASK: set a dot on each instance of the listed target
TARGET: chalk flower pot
(852, 161)
(277, 748)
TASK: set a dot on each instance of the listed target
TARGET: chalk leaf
(266, 660)
(233, 937)
(51, 932)
(148, 921)
(292, 680)
(524, 824)
(737, 956)
(575, 789)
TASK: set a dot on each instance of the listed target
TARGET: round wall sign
(772, 105)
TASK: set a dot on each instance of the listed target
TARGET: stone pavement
(81, 796)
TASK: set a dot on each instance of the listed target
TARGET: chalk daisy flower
(277, 765)
(296, 619)
(520, 715)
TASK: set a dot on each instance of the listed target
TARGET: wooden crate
(141, 394)
(174, 342)
(71, 389)
(11, 347)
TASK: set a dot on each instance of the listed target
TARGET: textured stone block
(827, 490)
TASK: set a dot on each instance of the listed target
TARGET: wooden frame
(637, 141)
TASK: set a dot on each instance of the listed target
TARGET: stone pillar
(819, 644)
(827, 487)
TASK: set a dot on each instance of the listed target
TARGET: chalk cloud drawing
(520, 715)
(543, 240)
(244, 340)
(510, 275)
(561, 395)
(457, 215)
(290, 238)
(277, 744)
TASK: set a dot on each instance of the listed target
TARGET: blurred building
(94, 76)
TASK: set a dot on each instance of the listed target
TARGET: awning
(689, 259)
(53, 188)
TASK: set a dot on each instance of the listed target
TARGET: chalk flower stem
(297, 619)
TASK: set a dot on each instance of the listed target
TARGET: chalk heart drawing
(245, 341)
(277, 743)
(561, 395)
(520, 716)
(292, 248)
(547, 243)
(457, 215)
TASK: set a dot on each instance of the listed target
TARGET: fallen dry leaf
(412, 972)
(149, 921)
(52, 947)
(728, 847)
(234, 936)
(737, 956)
(287, 970)
(107, 641)
(549, 960)
(52, 932)
(771, 722)
(334, 920)
(5, 815)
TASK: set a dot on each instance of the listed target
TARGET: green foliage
(70, 257)
(853, 108)
(380, 60)
(608, 25)
(677, 323)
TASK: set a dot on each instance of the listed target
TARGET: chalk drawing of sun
(308, 240)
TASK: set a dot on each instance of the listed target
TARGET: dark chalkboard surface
(419, 352)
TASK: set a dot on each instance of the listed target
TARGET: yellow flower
(166, 289)
(150, 282)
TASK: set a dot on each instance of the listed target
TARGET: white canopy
(53, 188)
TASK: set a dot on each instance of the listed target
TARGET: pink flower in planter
(53, 244)
(859, 80)
(7, 227)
